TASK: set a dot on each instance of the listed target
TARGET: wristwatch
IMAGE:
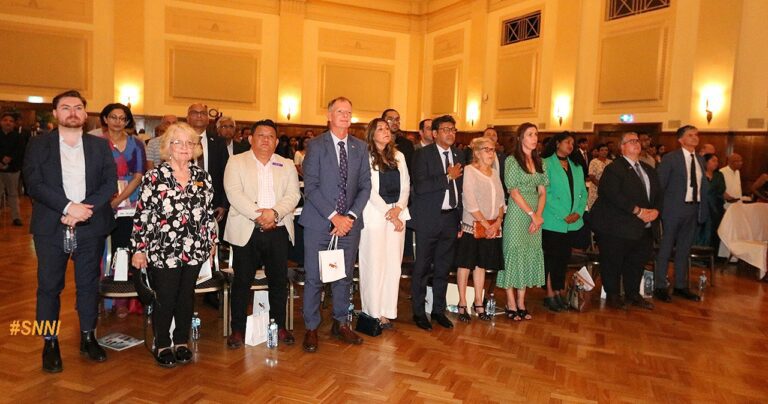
(277, 216)
(530, 213)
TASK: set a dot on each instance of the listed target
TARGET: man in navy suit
(71, 176)
(337, 185)
(681, 175)
(436, 207)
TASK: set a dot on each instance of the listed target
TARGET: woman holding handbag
(383, 238)
(479, 246)
(174, 233)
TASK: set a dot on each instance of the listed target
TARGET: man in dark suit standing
(71, 176)
(681, 175)
(624, 218)
(404, 145)
(436, 207)
(337, 185)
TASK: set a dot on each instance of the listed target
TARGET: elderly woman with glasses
(174, 233)
(479, 246)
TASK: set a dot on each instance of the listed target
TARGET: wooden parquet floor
(713, 351)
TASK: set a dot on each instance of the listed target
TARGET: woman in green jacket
(566, 201)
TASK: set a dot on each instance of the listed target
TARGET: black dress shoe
(687, 294)
(165, 358)
(91, 348)
(638, 301)
(552, 304)
(442, 320)
(183, 354)
(663, 295)
(422, 322)
(52, 356)
(615, 302)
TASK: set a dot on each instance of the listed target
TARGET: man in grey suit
(681, 175)
(337, 185)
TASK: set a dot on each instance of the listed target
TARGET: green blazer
(558, 204)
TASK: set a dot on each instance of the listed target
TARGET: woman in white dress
(382, 238)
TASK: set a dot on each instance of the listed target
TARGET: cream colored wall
(712, 49)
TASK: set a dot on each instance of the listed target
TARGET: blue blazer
(321, 181)
(558, 204)
(674, 183)
(43, 179)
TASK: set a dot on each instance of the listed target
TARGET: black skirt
(484, 253)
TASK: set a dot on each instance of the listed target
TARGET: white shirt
(446, 199)
(204, 144)
(699, 173)
(231, 148)
(72, 170)
(266, 182)
(732, 183)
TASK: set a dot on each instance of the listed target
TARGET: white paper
(205, 272)
(586, 279)
(261, 302)
(120, 264)
(256, 329)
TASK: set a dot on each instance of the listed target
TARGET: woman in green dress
(523, 256)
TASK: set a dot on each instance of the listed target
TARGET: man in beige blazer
(263, 191)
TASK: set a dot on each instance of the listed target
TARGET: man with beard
(71, 194)
(404, 145)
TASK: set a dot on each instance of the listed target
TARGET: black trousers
(624, 259)
(52, 268)
(175, 288)
(557, 253)
(434, 246)
(271, 248)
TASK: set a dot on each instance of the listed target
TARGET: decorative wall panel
(517, 82)
(448, 44)
(445, 89)
(368, 86)
(632, 66)
(355, 43)
(212, 25)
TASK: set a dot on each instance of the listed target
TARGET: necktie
(341, 203)
(642, 179)
(201, 159)
(694, 182)
(451, 188)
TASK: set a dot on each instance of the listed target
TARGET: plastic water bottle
(351, 310)
(702, 283)
(70, 240)
(196, 327)
(490, 305)
(272, 334)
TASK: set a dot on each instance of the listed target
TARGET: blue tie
(341, 203)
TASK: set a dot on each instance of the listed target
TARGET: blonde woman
(174, 233)
(483, 201)
(382, 238)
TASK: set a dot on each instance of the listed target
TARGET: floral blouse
(174, 225)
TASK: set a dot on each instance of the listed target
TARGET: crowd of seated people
(194, 187)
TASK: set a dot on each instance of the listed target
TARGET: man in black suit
(624, 218)
(71, 176)
(436, 207)
(213, 160)
(681, 175)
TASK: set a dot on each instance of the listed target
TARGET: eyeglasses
(184, 143)
(631, 141)
(448, 129)
(118, 118)
(487, 149)
(200, 114)
(393, 119)
(227, 126)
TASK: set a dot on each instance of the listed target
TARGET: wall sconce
(290, 105)
(473, 112)
(712, 100)
(562, 106)
(355, 119)
(129, 93)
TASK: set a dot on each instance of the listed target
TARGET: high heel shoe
(482, 316)
(512, 314)
(464, 317)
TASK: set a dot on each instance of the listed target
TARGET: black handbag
(368, 325)
(144, 290)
